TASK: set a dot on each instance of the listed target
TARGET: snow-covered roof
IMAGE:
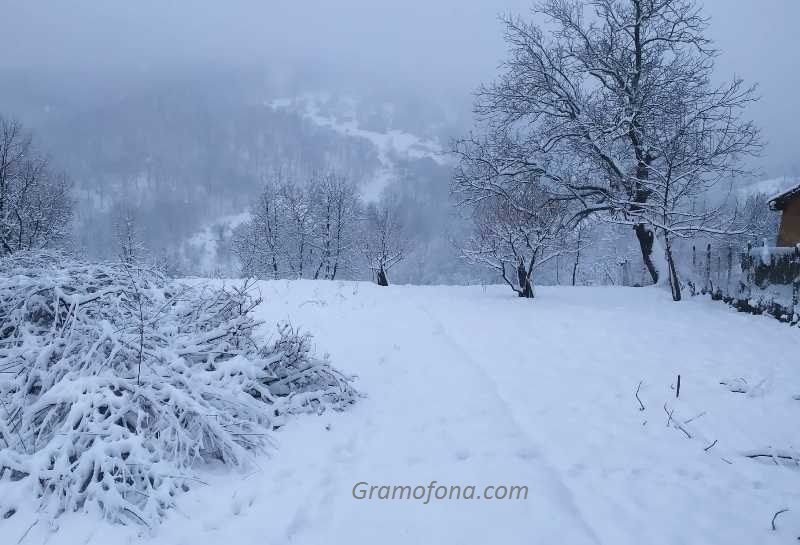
(778, 201)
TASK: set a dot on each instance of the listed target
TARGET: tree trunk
(525, 285)
(383, 280)
(646, 238)
(558, 266)
(577, 256)
(674, 281)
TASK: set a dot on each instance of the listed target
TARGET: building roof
(778, 202)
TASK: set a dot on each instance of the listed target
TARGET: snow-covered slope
(389, 144)
(470, 386)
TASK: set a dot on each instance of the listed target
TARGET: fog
(165, 104)
(444, 48)
(432, 43)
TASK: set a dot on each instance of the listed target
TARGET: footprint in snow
(463, 454)
(527, 454)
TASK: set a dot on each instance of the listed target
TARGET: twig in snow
(8, 414)
(35, 522)
(136, 516)
(774, 457)
(737, 386)
(709, 447)
(776, 516)
(641, 405)
(688, 435)
(695, 417)
(678, 388)
(676, 424)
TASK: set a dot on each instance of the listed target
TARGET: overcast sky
(449, 44)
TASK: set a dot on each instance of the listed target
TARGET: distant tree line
(318, 228)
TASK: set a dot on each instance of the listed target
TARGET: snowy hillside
(472, 387)
(389, 143)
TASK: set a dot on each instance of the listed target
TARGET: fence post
(795, 268)
(747, 269)
(626, 273)
(707, 288)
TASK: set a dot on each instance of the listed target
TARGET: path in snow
(473, 386)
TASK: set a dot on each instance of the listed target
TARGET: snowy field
(471, 386)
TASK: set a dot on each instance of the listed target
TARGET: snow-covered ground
(471, 386)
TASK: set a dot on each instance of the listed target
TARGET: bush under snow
(116, 382)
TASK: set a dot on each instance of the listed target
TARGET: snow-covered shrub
(115, 383)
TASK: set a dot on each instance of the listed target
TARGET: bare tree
(301, 227)
(757, 220)
(678, 208)
(300, 230)
(518, 233)
(35, 202)
(382, 240)
(611, 108)
(128, 236)
(259, 243)
(336, 207)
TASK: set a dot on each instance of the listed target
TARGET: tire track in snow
(531, 451)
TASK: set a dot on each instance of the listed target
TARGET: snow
(790, 188)
(472, 386)
(766, 255)
(205, 242)
(770, 186)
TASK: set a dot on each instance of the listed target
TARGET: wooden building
(788, 203)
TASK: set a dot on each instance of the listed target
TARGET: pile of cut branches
(116, 382)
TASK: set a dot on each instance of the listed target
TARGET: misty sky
(444, 45)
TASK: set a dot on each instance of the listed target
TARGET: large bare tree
(613, 106)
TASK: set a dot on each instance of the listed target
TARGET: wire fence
(759, 280)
